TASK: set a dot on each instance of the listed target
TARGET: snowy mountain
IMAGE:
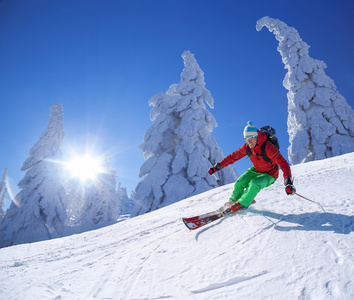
(283, 247)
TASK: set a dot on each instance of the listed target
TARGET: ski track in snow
(229, 282)
(281, 246)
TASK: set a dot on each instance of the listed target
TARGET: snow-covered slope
(280, 248)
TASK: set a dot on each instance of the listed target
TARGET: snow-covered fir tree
(126, 203)
(75, 190)
(320, 121)
(37, 212)
(178, 147)
(3, 192)
(101, 205)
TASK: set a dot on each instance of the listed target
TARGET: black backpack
(270, 132)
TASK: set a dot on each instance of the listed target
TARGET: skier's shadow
(208, 227)
(316, 221)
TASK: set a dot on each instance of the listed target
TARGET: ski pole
(310, 200)
(217, 180)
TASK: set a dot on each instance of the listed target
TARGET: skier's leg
(242, 183)
(262, 181)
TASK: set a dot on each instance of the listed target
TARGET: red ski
(202, 220)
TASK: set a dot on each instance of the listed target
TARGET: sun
(84, 167)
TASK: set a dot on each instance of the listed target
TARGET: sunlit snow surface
(282, 247)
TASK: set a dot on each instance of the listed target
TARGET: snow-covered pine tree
(178, 146)
(3, 192)
(75, 190)
(39, 213)
(125, 202)
(320, 121)
(101, 205)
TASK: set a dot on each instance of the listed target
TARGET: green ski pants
(248, 185)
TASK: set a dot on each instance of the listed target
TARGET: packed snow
(282, 247)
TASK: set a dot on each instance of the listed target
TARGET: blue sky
(104, 60)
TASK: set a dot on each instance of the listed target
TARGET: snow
(51, 202)
(316, 109)
(282, 247)
(178, 147)
(42, 197)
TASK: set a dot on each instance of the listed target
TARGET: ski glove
(289, 188)
(214, 169)
(288, 180)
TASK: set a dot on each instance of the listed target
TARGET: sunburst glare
(84, 167)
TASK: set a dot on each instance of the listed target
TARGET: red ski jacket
(262, 166)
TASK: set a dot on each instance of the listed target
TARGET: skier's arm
(274, 154)
(230, 159)
(233, 157)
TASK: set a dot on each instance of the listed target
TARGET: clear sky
(104, 59)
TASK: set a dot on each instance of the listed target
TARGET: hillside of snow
(283, 247)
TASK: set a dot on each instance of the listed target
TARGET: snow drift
(283, 247)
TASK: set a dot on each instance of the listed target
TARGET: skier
(263, 173)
